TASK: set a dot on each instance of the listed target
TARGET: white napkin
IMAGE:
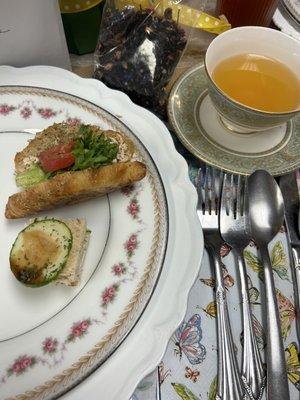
(31, 33)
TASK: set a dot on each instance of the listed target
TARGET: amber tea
(259, 82)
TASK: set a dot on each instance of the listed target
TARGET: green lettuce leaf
(92, 151)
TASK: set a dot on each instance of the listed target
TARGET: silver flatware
(155, 380)
(289, 16)
(235, 230)
(290, 193)
(209, 185)
(158, 391)
(266, 212)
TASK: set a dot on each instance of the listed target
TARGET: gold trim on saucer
(183, 107)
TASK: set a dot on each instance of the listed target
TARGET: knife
(290, 191)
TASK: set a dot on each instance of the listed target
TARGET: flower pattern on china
(119, 269)
(127, 190)
(26, 112)
(21, 365)
(131, 245)
(50, 345)
(51, 348)
(46, 112)
(73, 121)
(133, 208)
(109, 294)
(27, 107)
(6, 109)
(79, 329)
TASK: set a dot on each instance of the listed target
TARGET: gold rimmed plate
(200, 129)
(52, 338)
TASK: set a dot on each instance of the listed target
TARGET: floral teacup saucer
(200, 129)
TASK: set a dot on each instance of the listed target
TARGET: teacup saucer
(200, 129)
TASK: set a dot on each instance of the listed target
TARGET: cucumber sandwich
(50, 250)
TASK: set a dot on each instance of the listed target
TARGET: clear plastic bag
(142, 41)
(139, 47)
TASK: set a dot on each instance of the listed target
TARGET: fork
(235, 230)
(209, 183)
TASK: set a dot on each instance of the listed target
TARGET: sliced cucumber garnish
(30, 177)
(40, 252)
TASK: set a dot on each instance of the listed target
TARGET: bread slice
(63, 133)
(73, 187)
(71, 273)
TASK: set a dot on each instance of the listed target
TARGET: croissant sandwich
(66, 164)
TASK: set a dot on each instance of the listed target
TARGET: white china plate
(54, 337)
(284, 21)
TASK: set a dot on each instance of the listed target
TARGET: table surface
(183, 375)
(189, 377)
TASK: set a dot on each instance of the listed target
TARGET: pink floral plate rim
(25, 363)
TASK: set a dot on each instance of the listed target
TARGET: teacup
(253, 40)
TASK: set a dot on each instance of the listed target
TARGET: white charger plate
(53, 337)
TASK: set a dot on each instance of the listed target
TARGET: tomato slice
(57, 157)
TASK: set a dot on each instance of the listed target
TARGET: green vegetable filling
(31, 176)
(90, 151)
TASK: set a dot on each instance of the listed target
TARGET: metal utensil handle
(253, 374)
(158, 391)
(296, 273)
(229, 382)
(277, 382)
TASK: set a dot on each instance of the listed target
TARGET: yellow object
(293, 364)
(211, 309)
(185, 15)
(264, 83)
(73, 6)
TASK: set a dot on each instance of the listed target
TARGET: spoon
(266, 211)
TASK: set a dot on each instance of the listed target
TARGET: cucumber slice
(40, 252)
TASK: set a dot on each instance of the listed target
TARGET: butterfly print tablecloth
(188, 370)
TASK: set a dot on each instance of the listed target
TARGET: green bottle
(81, 20)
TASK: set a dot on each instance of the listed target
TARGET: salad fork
(235, 230)
(209, 183)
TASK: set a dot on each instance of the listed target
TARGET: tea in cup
(254, 78)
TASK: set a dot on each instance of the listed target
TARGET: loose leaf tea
(137, 53)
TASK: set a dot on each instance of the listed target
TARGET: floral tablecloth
(188, 370)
